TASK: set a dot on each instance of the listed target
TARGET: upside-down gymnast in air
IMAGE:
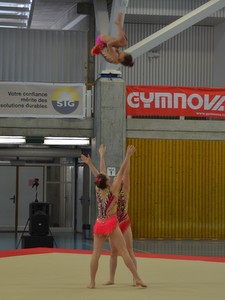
(109, 46)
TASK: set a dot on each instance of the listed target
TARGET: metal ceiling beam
(13, 17)
(72, 19)
(117, 6)
(176, 27)
(13, 24)
(74, 23)
(31, 14)
(17, 1)
(101, 16)
(14, 8)
(40, 152)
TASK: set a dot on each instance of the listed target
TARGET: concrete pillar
(86, 203)
(86, 196)
(109, 126)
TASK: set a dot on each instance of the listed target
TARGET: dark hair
(128, 60)
(100, 181)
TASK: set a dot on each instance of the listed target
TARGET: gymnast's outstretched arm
(87, 160)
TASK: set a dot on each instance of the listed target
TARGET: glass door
(60, 193)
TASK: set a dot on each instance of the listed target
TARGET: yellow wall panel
(177, 189)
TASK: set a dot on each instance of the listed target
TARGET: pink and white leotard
(107, 212)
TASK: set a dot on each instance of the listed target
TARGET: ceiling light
(17, 13)
(66, 141)
(12, 140)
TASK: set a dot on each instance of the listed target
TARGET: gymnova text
(179, 101)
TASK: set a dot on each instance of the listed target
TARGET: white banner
(42, 100)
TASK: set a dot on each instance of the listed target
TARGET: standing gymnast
(122, 214)
(109, 46)
(107, 223)
(123, 219)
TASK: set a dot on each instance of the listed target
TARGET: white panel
(8, 191)
(166, 7)
(186, 59)
(219, 62)
(43, 56)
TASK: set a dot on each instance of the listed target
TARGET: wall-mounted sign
(111, 171)
(175, 101)
(42, 100)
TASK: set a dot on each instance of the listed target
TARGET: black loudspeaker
(39, 219)
(39, 206)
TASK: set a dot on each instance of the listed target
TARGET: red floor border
(29, 251)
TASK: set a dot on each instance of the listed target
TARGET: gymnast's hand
(86, 159)
(102, 150)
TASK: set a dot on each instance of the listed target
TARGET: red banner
(175, 101)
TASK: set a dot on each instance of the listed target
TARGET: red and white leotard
(122, 212)
(107, 212)
(101, 48)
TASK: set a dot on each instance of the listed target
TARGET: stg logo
(65, 100)
(65, 103)
(175, 100)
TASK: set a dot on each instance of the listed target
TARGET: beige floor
(64, 276)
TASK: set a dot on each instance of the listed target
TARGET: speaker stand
(25, 227)
(54, 242)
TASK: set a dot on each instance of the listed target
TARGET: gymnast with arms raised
(109, 46)
(107, 223)
(123, 219)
